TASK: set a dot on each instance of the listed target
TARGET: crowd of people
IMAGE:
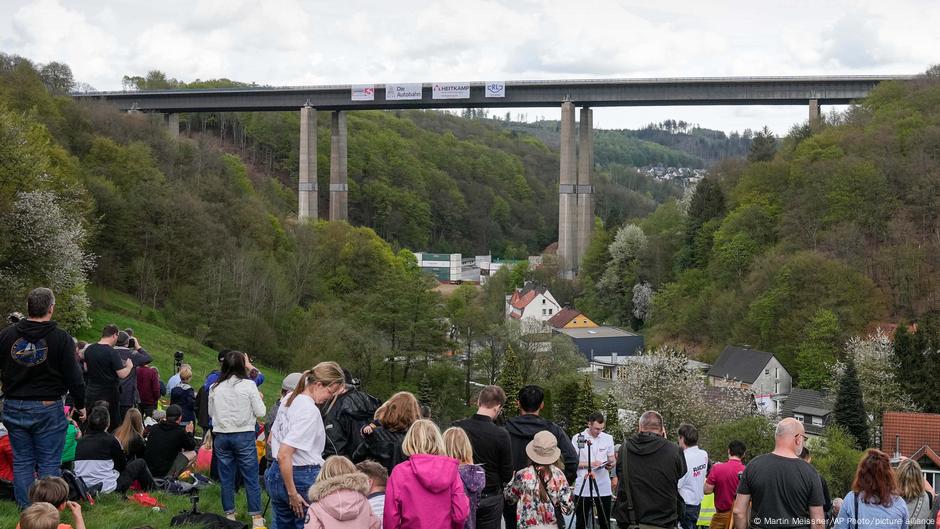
(335, 457)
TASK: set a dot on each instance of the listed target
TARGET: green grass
(112, 512)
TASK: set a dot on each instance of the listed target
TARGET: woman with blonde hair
(425, 492)
(911, 489)
(383, 437)
(873, 502)
(338, 498)
(131, 434)
(297, 441)
(457, 445)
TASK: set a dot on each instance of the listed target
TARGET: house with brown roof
(532, 306)
(915, 436)
(570, 319)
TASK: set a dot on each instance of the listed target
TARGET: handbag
(623, 511)
(559, 515)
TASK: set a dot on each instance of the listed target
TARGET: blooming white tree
(629, 242)
(876, 366)
(45, 247)
(663, 380)
(642, 300)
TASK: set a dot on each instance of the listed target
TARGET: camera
(178, 360)
(582, 441)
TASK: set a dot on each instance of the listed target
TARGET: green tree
(849, 410)
(425, 390)
(909, 360)
(585, 405)
(836, 458)
(612, 416)
(756, 432)
(763, 146)
(510, 379)
(819, 349)
(705, 210)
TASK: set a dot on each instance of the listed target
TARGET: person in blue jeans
(297, 441)
(235, 406)
(38, 366)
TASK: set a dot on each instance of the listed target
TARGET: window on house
(543, 312)
(549, 311)
(798, 417)
(766, 371)
(817, 421)
(543, 301)
(776, 372)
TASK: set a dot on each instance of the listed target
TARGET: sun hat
(543, 448)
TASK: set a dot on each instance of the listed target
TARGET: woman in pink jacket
(425, 492)
(338, 498)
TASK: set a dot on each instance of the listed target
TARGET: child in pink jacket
(425, 492)
(338, 498)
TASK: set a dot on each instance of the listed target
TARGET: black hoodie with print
(37, 362)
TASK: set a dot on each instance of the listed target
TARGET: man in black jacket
(523, 428)
(170, 446)
(491, 448)
(655, 467)
(38, 365)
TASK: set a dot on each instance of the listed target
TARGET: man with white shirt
(588, 503)
(692, 484)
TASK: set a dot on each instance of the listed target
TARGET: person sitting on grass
(55, 491)
(44, 515)
(101, 462)
(171, 446)
(184, 396)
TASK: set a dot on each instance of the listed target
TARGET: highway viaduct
(575, 199)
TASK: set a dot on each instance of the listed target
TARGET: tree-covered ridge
(837, 231)
(428, 179)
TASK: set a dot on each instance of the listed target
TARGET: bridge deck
(827, 90)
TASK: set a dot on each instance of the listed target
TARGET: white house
(757, 371)
(533, 306)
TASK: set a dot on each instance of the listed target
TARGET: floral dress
(531, 511)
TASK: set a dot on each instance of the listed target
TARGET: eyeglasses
(805, 438)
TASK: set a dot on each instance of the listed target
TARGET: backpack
(344, 418)
(78, 489)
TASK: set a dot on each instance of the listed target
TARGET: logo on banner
(363, 92)
(399, 92)
(496, 89)
(451, 91)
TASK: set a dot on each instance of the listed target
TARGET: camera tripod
(594, 495)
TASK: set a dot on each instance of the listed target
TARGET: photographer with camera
(595, 459)
(177, 367)
(128, 347)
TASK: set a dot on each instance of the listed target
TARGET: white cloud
(284, 42)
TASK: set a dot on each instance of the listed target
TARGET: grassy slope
(112, 512)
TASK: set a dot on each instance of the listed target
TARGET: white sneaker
(230, 516)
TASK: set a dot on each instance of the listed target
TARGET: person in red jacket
(148, 385)
(6, 465)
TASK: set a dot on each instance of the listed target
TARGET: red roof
(910, 432)
(520, 300)
(563, 318)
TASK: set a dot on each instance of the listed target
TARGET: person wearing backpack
(344, 417)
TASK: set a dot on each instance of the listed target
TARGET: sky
(313, 42)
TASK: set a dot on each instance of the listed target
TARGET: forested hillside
(796, 251)
(427, 179)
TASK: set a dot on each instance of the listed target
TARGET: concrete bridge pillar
(307, 188)
(585, 189)
(567, 195)
(815, 113)
(172, 124)
(339, 188)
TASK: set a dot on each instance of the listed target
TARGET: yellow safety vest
(707, 511)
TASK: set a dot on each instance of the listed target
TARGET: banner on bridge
(363, 92)
(495, 89)
(450, 91)
(401, 92)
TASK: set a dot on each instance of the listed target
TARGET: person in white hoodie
(692, 484)
(235, 406)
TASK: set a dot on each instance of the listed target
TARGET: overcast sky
(294, 42)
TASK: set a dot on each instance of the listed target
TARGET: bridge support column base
(585, 189)
(815, 113)
(567, 195)
(307, 186)
(172, 124)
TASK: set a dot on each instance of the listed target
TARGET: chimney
(613, 358)
(897, 446)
